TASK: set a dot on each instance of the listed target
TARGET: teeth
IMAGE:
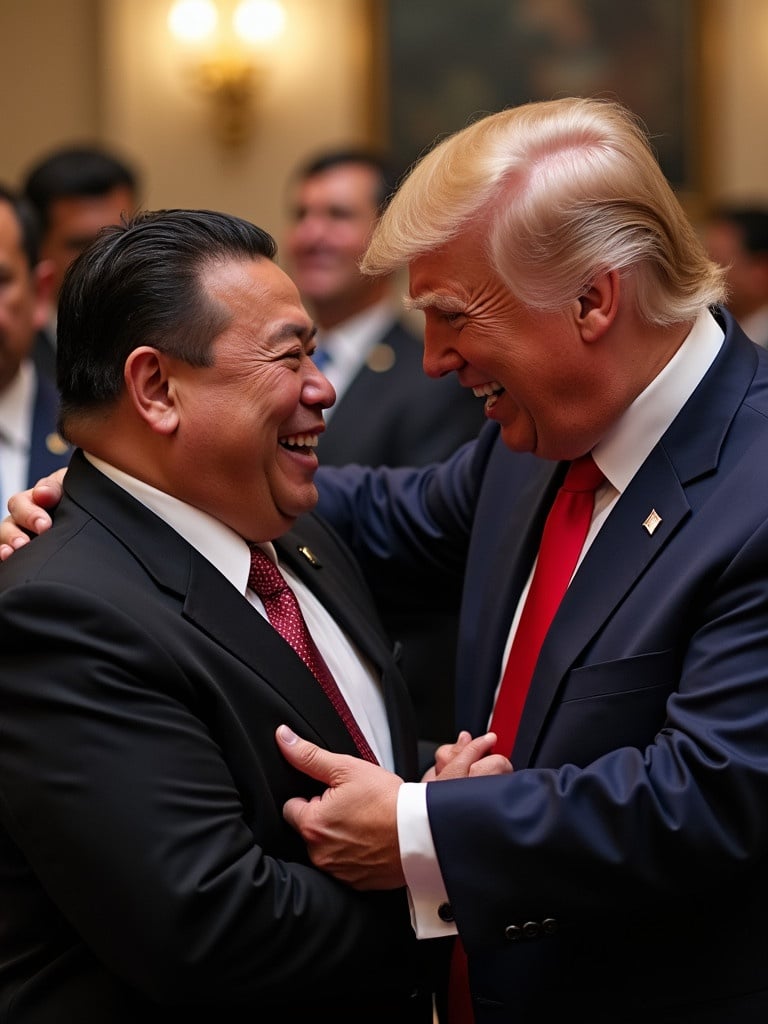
(300, 441)
(484, 390)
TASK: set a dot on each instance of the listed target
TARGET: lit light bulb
(259, 21)
(192, 21)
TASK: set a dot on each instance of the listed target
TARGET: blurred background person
(29, 441)
(387, 411)
(736, 237)
(75, 191)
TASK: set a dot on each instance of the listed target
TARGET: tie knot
(583, 475)
(265, 578)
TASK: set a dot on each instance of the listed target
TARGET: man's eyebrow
(288, 331)
(435, 300)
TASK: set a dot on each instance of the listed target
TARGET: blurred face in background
(74, 221)
(24, 292)
(746, 272)
(332, 216)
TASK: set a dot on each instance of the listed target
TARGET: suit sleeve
(117, 794)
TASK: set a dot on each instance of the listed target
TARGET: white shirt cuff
(426, 889)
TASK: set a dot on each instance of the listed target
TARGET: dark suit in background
(48, 451)
(392, 414)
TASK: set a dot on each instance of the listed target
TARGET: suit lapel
(688, 451)
(208, 600)
(329, 579)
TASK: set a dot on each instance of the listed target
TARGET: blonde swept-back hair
(571, 189)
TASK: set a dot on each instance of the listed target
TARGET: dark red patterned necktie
(283, 611)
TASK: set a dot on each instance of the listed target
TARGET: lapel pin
(651, 521)
(381, 359)
(305, 552)
(56, 444)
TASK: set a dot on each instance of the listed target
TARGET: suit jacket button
(531, 929)
(445, 913)
(513, 932)
(549, 926)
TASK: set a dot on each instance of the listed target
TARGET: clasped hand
(350, 830)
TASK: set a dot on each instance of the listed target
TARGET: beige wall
(79, 69)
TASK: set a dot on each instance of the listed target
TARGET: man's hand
(351, 830)
(27, 510)
(467, 758)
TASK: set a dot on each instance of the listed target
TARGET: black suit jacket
(145, 866)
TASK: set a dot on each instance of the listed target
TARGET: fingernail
(19, 542)
(39, 524)
(286, 735)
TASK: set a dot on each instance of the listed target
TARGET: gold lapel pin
(305, 552)
(381, 358)
(56, 444)
(652, 521)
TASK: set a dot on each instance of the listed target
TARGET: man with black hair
(75, 191)
(29, 441)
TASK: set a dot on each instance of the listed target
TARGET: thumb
(314, 761)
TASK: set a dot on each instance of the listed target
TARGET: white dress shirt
(229, 553)
(17, 406)
(619, 455)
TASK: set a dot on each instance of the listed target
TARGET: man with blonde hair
(614, 631)
(620, 872)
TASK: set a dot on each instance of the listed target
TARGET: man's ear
(42, 283)
(151, 389)
(596, 309)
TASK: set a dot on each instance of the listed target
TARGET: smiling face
(546, 387)
(333, 214)
(74, 222)
(22, 300)
(249, 424)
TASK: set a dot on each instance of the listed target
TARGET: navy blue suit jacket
(47, 449)
(620, 874)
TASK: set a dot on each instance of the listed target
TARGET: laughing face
(538, 379)
(249, 424)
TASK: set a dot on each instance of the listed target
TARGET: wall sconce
(228, 43)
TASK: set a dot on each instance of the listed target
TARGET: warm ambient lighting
(228, 44)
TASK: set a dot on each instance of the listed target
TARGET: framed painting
(438, 64)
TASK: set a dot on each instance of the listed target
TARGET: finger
(308, 758)
(476, 749)
(495, 764)
(293, 810)
(11, 543)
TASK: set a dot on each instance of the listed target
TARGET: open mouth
(300, 443)
(490, 392)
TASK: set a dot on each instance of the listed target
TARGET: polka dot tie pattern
(284, 613)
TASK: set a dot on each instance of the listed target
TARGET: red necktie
(283, 611)
(561, 542)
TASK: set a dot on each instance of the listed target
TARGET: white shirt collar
(627, 445)
(16, 406)
(224, 549)
(351, 342)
